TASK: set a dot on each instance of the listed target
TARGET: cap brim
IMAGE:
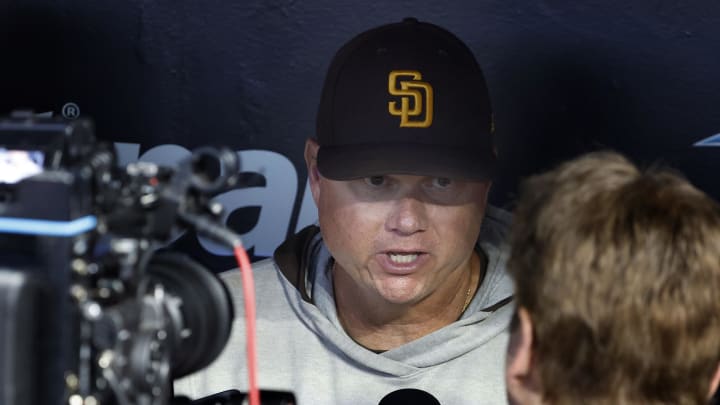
(358, 161)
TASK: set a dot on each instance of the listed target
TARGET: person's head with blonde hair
(617, 276)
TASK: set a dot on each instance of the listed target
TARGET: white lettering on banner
(126, 152)
(709, 141)
(275, 199)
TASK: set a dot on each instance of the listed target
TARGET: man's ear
(311, 152)
(714, 382)
(520, 377)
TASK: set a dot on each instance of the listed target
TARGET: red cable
(249, 293)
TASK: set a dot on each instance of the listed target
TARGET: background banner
(162, 77)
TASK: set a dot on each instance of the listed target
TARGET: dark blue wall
(642, 77)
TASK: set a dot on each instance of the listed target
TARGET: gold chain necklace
(467, 298)
(468, 293)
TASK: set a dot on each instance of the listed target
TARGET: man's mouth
(402, 258)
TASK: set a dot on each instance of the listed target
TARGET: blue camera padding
(43, 227)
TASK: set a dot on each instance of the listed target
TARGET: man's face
(400, 237)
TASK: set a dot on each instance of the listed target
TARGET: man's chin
(402, 295)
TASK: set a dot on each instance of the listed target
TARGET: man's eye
(375, 181)
(441, 182)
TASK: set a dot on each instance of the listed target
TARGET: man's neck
(379, 325)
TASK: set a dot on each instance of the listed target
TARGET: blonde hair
(619, 270)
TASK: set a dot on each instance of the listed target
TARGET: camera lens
(206, 310)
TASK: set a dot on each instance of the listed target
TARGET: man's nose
(408, 216)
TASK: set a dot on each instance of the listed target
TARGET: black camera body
(92, 309)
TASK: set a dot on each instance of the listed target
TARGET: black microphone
(409, 396)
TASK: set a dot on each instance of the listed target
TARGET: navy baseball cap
(405, 98)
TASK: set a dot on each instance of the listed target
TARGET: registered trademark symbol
(70, 111)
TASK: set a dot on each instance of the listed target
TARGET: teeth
(403, 258)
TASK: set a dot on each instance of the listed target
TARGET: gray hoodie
(302, 347)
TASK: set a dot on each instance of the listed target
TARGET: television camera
(93, 309)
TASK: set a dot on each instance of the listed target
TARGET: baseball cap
(405, 98)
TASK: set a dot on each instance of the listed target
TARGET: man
(401, 291)
(617, 275)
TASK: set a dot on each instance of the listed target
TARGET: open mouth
(402, 258)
